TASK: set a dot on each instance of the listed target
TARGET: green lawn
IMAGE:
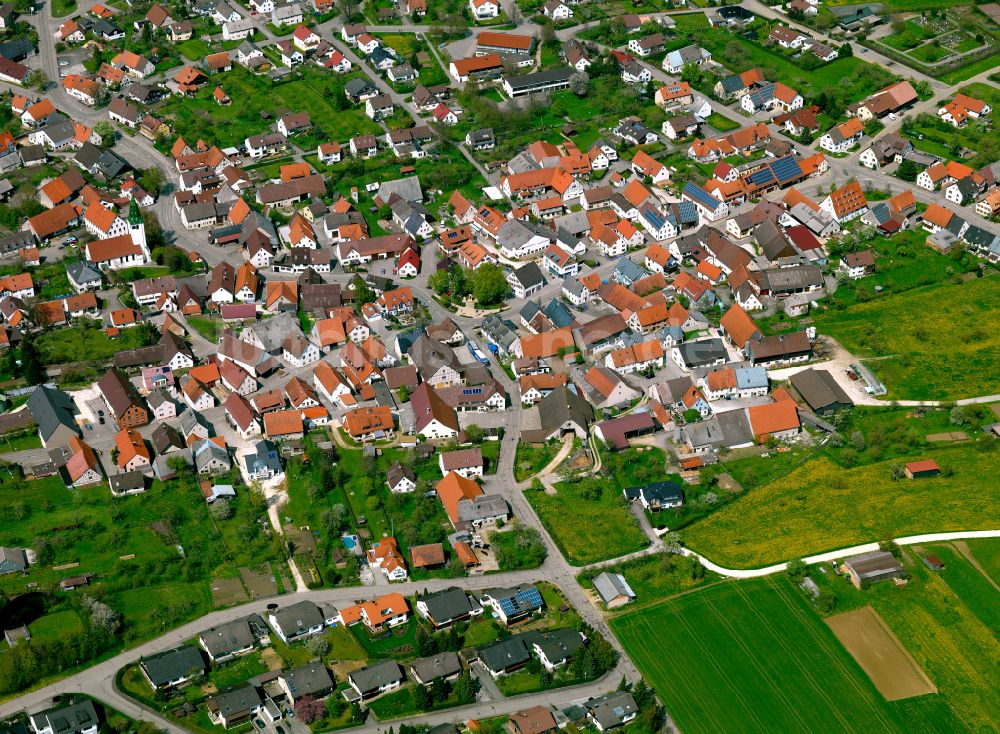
(530, 459)
(822, 506)
(88, 342)
(208, 327)
(969, 585)
(20, 443)
(987, 552)
(943, 352)
(318, 94)
(589, 520)
(151, 555)
(852, 76)
(721, 123)
(769, 662)
(194, 49)
(903, 262)
(62, 8)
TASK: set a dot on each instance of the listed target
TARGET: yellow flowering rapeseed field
(821, 506)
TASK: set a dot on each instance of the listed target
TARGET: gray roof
(265, 454)
(52, 408)
(612, 585)
(309, 679)
(611, 709)
(557, 644)
(428, 356)
(448, 604)
(573, 286)
(506, 653)
(297, 618)
(702, 352)
(819, 389)
(735, 427)
(12, 560)
(237, 702)
(229, 637)
(66, 719)
(550, 76)
(442, 665)
(876, 563)
(483, 507)
(514, 233)
(562, 405)
(171, 665)
(529, 276)
(208, 451)
(80, 272)
(407, 189)
(374, 676)
(272, 332)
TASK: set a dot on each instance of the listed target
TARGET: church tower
(137, 228)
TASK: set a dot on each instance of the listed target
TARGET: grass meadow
(932, 343)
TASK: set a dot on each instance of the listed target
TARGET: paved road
(749, 573)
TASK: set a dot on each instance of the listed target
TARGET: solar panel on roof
(786, 168)
(761, 177)
(700, 195)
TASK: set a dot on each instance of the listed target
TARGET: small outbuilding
(921, 469)
(613, 589)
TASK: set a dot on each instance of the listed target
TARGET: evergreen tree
(31, 362)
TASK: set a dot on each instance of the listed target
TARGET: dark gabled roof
(819, 389)
(374, 676)
(442, 665)
(506, 653)
(563, 405)
(309, 679)
(171, 665)
(52, 408)
(448, 604)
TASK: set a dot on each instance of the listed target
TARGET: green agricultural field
(821, 506)
(767, 660)
(944, 352)
(969, 585)
(939, 618)
(589, 520)
(987, 553)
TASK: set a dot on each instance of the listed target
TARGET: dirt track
(880, 654)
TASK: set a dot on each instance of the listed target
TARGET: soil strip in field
(880, 654)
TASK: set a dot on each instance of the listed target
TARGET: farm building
(921, 469)
(870, 568)
(613, 589)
